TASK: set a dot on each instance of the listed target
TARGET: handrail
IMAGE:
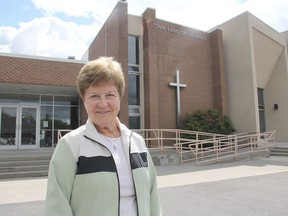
(231, 146)
(203, 147)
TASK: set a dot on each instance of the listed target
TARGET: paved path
(252, 187)
(257, 187)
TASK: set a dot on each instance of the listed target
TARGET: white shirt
(128, 206)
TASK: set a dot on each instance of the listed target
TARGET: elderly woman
(102, 168)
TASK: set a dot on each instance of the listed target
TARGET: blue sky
(61, 28)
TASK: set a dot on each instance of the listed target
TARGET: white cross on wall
(178, 85)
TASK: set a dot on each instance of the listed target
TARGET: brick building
(154, 51)
(38, 96)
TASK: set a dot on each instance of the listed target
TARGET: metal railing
(229, 147)
(61, 133)
(204, 147)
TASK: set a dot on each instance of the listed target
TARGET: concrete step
(279, 151)
(24, 163)
(276, 153)
(26, 168)
(26, 153)
(31, 162)
(27, 174)
(24, 158)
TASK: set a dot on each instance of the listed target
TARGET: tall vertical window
(134, 76)
(261, 108)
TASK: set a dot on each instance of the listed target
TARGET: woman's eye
(94, 96)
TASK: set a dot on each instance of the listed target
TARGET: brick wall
(38, 71)
(218, 69)
(197, 55)
(150, 70)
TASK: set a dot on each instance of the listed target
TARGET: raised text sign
(181, 32)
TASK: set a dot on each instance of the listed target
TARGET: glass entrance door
(29, 127)
(19, 127)
(8, 127)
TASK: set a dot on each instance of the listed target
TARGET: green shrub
(210, 121)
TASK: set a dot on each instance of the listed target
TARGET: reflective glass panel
(134, 122)
(133, 50)
(8, 126)
(46, 117)
(28, 126)
(65, 117)
(134, 89)
(47, 99)
(66, 100)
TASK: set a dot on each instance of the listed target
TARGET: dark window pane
(134, 122)
(66, 100)
(47, 99)
(262, 121)
(133, 50)
(46, 138)
(46, 117)
(28, 125)
(62, 118)
(8, 125)
(134, 86)
(260, 96)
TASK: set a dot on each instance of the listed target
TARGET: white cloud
(272, 12)
(7, 33)
(206, 14)
(49, 36)
(201, 15)
(77, 8)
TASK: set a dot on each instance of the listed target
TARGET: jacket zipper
(132, 173)
(115, 169)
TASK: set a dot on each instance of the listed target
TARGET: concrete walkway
(217, 189)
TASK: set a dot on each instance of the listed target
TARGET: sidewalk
(26, 197)
(187, 174)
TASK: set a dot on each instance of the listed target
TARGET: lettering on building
(181, 32)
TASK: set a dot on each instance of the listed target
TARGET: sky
(62, 28)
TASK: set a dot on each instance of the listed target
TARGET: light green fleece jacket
(83, 179)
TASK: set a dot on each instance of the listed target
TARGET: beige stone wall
(242, 95)
(256, 57)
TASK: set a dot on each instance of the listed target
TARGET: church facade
(239, 68)
(152, 55)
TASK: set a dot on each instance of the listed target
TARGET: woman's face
(102, 103)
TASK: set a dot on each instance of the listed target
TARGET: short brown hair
(101, 70)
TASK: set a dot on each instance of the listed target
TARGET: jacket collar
(91, 131)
